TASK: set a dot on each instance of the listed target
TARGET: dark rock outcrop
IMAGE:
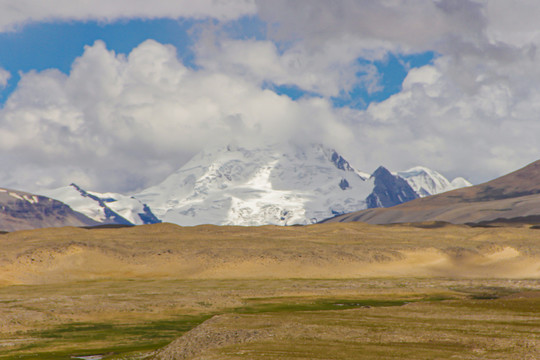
(389, 190)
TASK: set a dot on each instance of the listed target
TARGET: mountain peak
(389, 190)
(427, 182)
(276, 184)
(381, 172)
(280, 184)
(460, 182)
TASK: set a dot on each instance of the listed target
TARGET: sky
(115, 95)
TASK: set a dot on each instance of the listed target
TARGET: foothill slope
(511, 198)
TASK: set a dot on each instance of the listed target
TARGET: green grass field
(297, 319)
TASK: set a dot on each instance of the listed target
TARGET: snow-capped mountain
(510, 199)
(427, 182)
(105, 208)
(459, 183)
(283, 185)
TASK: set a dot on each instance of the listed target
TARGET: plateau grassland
(329, 291)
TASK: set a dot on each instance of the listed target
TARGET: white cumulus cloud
(327, 73)
(127, 121)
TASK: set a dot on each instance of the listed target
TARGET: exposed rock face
(22, 211)
(389, 190)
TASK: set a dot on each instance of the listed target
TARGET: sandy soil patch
(320, 251)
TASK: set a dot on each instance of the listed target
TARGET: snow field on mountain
(101, 207)
(429, 182)
(280, 184)
(239, 186)
(83, 204)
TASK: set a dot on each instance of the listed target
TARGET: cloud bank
(471, 112)
(15, 14)
(124, 121)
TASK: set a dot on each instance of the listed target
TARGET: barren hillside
(317, 251)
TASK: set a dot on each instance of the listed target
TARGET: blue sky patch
(291, 91)
(56, 45)
(392, 71)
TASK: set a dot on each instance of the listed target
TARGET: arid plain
(327, 291)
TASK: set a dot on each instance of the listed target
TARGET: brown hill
(513, 197)
(321, 251)
(21, 211)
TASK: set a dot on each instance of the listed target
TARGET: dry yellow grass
(321, 251)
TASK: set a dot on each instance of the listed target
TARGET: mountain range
(282, 184)
(511, 198)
